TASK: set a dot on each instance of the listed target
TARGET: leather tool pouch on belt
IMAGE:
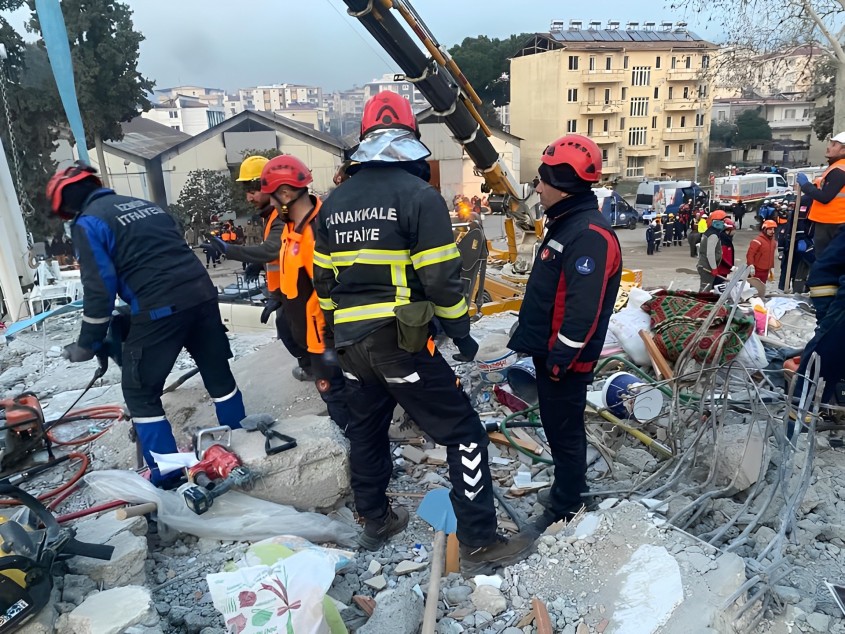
(412, 322)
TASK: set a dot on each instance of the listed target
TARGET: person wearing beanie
(565, 312)
(710, 251)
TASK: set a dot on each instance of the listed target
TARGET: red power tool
(217, 472)
(21, 429)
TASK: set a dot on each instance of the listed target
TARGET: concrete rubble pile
(710, 516)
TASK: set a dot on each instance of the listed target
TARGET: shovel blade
(436, 509)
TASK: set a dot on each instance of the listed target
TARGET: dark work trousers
(694, 238)
(824, 233)
(650, 247)
(283, 332)
(151, 348)
(331, 385)
(828, 342)
(562, 406)
(379, 375)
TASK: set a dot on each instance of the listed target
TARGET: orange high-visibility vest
(297, 252)
(271, 269)
(833, 213)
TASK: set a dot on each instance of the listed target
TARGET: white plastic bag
(753, 354)
(234, 516)
(626, 326)
(637, 297)
(285, 597)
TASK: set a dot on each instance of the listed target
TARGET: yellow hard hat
(251, 168)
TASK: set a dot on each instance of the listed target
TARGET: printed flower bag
(677, 315)
(285, 598)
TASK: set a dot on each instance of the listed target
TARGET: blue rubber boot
(155, 435)
(230, 409)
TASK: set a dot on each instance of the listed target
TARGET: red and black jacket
(572, 288)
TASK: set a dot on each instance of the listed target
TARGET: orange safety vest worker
(271, 269)
(297, 272)
(833, 212)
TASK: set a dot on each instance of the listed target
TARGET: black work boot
(377, 532)
(502, 551)
(302, 374)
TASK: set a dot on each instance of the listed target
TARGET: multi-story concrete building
(790, 70)
(390, 82)
(641, 92)
(345, 109)
(210, 96)
(186, 114)
(280, 96)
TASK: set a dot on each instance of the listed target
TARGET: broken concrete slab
(99, 530)
(377, 582)
(489, 599)
(740, 456)
(407, 567)
(314, 475)
(125, 567)
(398, 611)
(635, 458)
(111, 612)
(417, 456)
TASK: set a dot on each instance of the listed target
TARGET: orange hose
(114, 412)
(85, 462)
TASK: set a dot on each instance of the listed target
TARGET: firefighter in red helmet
(131, 248)
(285, 179)
(567, 306)
(386, 265)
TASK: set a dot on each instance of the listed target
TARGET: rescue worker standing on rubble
(567, 306)
(266, 256)
(828, 194)
(285, 179)
(132, 248)
(761, 252)
(386, 264)
(710, 251)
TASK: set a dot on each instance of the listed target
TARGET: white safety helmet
(839, 138)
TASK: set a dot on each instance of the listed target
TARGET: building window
(654, 123)
(702, 91)
(606, 125)
(639, 106)
(637, 136)
(657, 62)
(624, 93)
(683, 121)
(589, 127)
(607, 63)
(720, 116)
(806, 113)
(572, 125)
(641, 76)
(695, 148)
(572, 95)
(175, 127)
(604, 156)
(705, 61)
(674, 62)
(573, 62)
(621, 123)
(666, 151)
(689, 61)
(173, 114)
(625, 62)
(682, 149)
(668, 122)
(607, 95)
(635, 167)
(657, 93)
(789, 113)
(670, 92)
(699, 120)
(686, 92)
(592, 63)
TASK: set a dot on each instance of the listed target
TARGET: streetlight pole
(698, 121)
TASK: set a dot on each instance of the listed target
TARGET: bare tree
(766, 26)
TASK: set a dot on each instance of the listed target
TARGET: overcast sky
(225, 44)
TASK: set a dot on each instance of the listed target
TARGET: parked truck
(616, 209)
(749, 188)
(665, 197)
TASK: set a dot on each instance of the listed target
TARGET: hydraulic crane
(452, 98)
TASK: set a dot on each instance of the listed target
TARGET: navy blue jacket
(131, 248)
(572, 288)
(827, 279)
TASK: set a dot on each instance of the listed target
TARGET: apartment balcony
(683, 74)
(611, 136)
(602, 76)
(640, 150)
(603, 107)
(781, 124)
(608, 168)
(677, 162)
(682, 134)
(681, 104)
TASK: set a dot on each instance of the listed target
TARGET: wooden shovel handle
(430, 615)
(134, 511)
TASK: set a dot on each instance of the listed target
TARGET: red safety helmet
(577, 151)
(729, 224)
(284, 170)
(770, 224)
(388, 110)
(718, 215)
(62, 178)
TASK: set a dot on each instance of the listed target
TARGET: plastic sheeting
(234, 517)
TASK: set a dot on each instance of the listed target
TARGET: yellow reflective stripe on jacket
(435, 255)
(371, 256)
(326, 304)
(451, 312)
(322, 260)
(367, 311)
(823, 291)
(399, 279)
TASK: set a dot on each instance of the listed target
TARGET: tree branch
(834, 41)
